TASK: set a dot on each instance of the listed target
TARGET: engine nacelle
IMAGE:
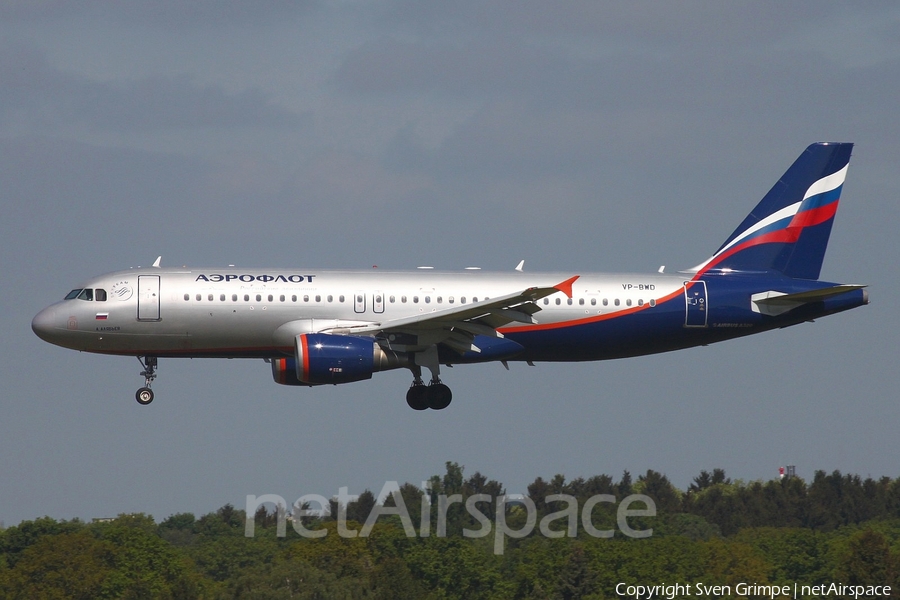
(328, 358)
(284, 371)
(325, 358)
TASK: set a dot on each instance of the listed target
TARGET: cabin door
(148, 297)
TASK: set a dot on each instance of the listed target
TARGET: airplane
(318, 327)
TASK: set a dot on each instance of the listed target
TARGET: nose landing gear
(145, 395)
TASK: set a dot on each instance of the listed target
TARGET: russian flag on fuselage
(788, 230)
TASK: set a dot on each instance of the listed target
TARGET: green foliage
(719, 531)
(14, 540)
(66, 565)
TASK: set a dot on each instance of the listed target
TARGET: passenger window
(210, 297)
(199, 297)
(546, 301)
(234, 297)
(557, 301)
(222, 298)
(462, 300)
(605, 302)
(293, 298)
(100, 295)
(415, 299)
(427, 299)
(628, 302)
(246, 297)
(569, 302)
(652, 302)
(474, 298)
(593, 302)
(306, 298)
(281, 298)
(330, 298)
(450, 300)
(640, 302)
(86, 294)
(259, 297)
(270, 297)
(617, 302)
(187, 297)
(391, 299)
(318, 298)
(341, 298)
(403, 299)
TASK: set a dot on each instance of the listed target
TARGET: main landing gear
(435, 395)
(145, 394)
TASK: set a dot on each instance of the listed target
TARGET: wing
(456, 327)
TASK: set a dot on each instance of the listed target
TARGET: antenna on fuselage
(156, 262)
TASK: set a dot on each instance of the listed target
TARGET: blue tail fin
(788, 230)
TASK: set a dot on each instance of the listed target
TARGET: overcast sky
(579, 136)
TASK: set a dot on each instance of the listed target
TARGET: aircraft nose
(45, 323)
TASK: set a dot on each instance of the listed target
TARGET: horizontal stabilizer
(774, 303)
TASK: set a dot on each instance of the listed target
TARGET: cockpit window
(100, 295)
(73, 294)
(86, 294)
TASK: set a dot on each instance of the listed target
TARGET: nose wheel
(145, 395)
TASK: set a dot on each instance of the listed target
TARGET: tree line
(836, 527)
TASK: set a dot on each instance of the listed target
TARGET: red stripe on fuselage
(586, 320)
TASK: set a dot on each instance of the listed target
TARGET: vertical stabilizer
(788, 230)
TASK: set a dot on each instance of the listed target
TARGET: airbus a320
(319, 327)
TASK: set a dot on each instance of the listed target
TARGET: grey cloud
(162, 13)
(35, 94)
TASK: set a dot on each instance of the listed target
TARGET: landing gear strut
(435, 395)
(145, 394)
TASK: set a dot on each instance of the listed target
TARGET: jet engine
(324, 358)
(284, 371)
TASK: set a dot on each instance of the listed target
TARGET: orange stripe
(304, 350)
(586, 320)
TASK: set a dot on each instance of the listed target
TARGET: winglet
(566, 286)
(157, 261)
